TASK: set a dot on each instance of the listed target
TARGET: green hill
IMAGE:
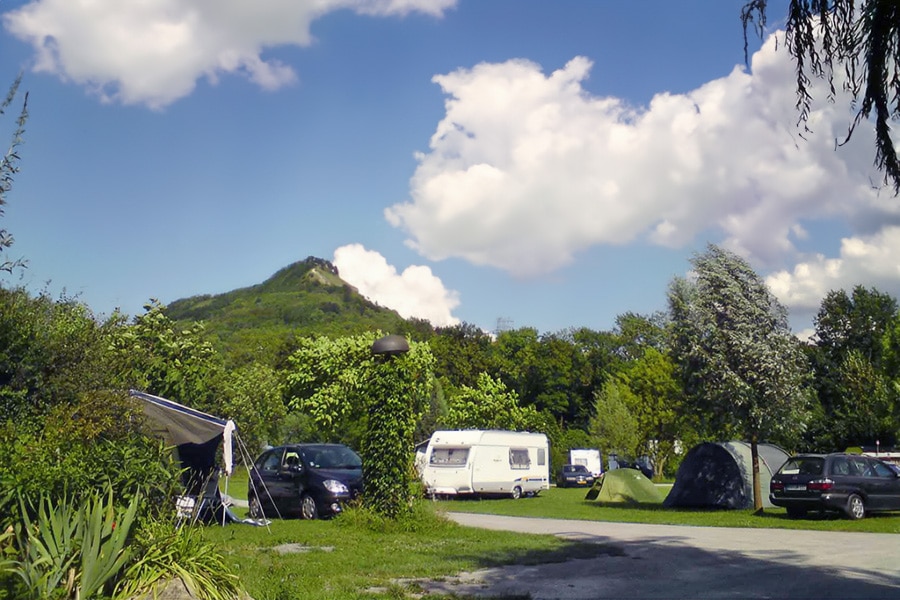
(302, 299)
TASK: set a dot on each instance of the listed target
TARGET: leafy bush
(50, 352)
(56, 464)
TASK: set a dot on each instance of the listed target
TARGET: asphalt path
(667, 561)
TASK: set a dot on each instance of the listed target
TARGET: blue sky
(553, 164)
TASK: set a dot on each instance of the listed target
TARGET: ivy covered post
(388, 440)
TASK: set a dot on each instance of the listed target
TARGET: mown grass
(349, 558)
(569, 503)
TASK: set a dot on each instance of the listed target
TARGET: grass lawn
(569, 503)
(345, 559)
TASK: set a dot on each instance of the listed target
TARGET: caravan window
(518, 458)
(450, 457)
(542, 457)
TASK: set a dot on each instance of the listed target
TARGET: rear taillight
(820, 485)
(776, 486)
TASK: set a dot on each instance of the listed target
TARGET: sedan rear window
(803, 465)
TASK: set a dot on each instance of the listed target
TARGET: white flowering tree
(742, 368)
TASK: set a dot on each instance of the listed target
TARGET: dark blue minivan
(305, 480)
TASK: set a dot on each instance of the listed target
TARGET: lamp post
(388, 439)
(390, 345)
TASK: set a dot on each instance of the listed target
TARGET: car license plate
(795, 488)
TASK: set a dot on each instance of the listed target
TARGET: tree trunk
(757, 492)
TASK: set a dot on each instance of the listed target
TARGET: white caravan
(486, 462)
(589, 457)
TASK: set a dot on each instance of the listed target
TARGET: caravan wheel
(516, 493)
(255, 511)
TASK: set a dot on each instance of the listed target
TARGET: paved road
(664, 561)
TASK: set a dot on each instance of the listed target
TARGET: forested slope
(305, 298)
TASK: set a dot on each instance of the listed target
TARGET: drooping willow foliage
(9, 167)
(860, 40)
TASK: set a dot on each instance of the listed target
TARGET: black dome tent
(720, 475)
(196, 437)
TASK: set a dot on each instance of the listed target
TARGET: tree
(325, 379)
(370, 403)
(489, 405)
(253, 397)
(657, 403)
(613, 425)
(461, 353)
(847, 359)
(860, 39)
(866, 415)
(596, 351)
(856, 321)
(9, 167)
(156, 355)
(547, 372)
(743, 370)
(636, 333)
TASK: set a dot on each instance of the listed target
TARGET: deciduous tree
(849, 367)
(657, 404)
(156, 355)
(613, 425)
(743, 370)
(368, 402)
(489, 405)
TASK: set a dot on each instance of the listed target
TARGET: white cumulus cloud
(416, 292)
(526, 169)
(870, 261)
(154, 53)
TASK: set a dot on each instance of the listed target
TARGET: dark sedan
(574, 475)
(847, 483)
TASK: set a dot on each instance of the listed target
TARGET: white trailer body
(589, 457)
(486, 462)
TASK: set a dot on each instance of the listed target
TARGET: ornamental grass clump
(90, 548)
(69, 549)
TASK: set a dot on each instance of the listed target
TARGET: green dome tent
(628, 486)
(720, 475)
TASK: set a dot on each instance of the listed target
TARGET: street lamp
(390, 345)
(388, 439)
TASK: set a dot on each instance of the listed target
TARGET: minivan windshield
(331, 457)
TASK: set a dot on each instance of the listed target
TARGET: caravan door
(491, 471)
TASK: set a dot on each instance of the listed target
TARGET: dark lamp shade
(390, 345)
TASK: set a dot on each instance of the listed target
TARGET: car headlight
(335, 487)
